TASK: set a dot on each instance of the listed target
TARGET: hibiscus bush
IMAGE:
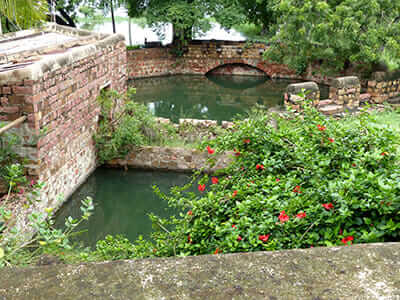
(298, 182)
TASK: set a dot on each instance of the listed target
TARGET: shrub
(125, 124)
(308, 181)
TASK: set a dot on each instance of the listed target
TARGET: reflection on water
(122, 201)
(218, 97)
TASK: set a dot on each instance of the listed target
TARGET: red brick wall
(63, 113)
(202, 58)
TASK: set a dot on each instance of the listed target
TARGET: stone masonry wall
(383, 87)
(171, 159)
(293, 98)
(202, 57)
(345, 91)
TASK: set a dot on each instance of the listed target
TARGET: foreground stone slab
(350, 272)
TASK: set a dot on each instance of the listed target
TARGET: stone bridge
(203, 57)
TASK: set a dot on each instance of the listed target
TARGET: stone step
(365, 97)
(395, 100)
(325, 102)
(331, 109)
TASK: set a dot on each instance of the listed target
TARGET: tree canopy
(337, 32)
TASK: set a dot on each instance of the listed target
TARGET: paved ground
(34, 42)
(349, 272)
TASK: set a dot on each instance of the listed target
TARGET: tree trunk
(1, 27)
(130, 31)
(112, 16)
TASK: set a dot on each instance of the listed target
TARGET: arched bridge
(204, 57)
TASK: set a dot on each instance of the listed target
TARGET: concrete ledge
(346, 82)
(297, 88)
(369, 271)
(171, 159)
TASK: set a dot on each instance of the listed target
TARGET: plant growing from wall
(125, 124)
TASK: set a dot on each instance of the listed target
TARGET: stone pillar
(382, 87)
(345, 91)
(293, 98)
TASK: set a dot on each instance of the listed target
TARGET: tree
(185, 16)
(337, 33)
(258, 12)
(22, 14)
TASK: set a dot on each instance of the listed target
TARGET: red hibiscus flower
(277, 180)
(321, 127)
(264, 238)
(353, 165)
(283, 217)
(214, 180)
(217, 251)
(190, 213)
(331, 140)
(297, 189)
(259, 167)
(350, 239)
(234, 226)
(301, 215)
(234, 193)
(189, 239)
(239, 238)
(201, 187)
(237, 153)
(328, 206)
(384, 153)
(210, 151)
(246, 141)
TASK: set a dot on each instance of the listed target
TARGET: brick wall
(58, 95)
(201, 58)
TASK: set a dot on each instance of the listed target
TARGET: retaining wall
(202, 57)
(171, 159)
(365, 271)
(384, 87)
(59, 94)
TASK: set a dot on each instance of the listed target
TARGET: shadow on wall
(237, 69)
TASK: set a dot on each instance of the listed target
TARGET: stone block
(346, 82)
(331, 109)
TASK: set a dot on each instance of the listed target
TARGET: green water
(122, 201)
(216, 97)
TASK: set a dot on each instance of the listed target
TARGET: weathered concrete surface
(171, 159)
(349, 272)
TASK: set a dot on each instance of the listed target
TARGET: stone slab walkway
(349, 272)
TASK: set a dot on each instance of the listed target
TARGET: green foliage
(113, 248)
(311, 182)
(23, 14)
(17, 249)
(8, 141)
(133, 47)
(339, 33)
(125, 124)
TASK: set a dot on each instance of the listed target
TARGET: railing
(14, 123)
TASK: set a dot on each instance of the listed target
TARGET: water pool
(122, 201)
(214, 97)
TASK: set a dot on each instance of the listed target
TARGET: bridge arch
(237, 68)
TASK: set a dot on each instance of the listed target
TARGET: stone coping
(172, 159)
(364, 271)
(85, 45)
